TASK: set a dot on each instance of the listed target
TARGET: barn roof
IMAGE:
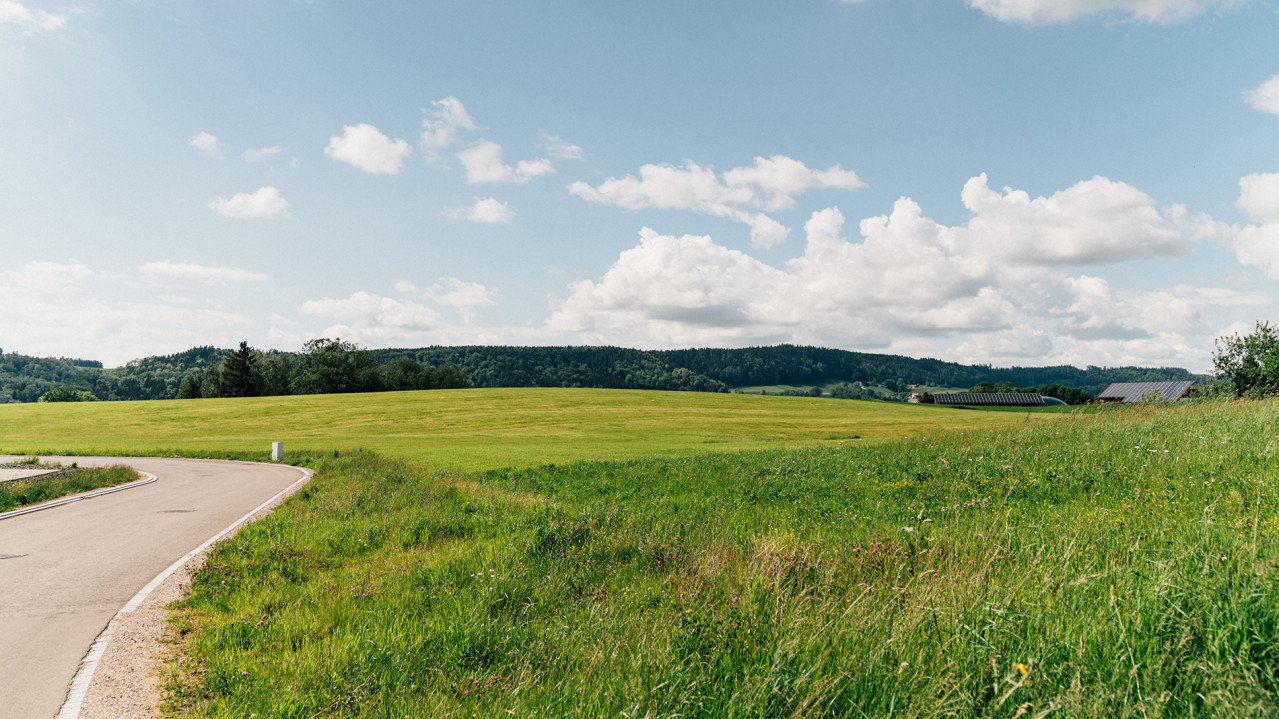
(1006, 399)
(1139, 391)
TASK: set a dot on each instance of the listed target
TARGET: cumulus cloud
(1266, 97)
(485, 211)
(483, 164)
(265, 203)
(18, 15)
(779, 178)
(681, 289)
(168, 270)
(1057, 12)
(1258, 245)
(261, 153)
(1092, 222)
(1259, 196)
(206, 144)
(770, 184)
(365, 147)
(371, 319)
(441, 126)
(995, 289)
(557, 148)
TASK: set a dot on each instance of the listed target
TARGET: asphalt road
(66, 571)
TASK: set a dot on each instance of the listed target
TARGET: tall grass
(1121, 564)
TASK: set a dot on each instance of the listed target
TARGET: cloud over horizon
(769, 184)
(996, 289)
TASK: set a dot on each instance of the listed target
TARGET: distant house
(990, 399)
(1141, 391)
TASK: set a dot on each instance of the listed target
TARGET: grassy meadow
(1116, 564)
(470, 429)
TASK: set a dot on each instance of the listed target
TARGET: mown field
(470, 429)
(1115, 564)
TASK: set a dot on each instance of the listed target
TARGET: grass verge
(1121, 564)
(23, 492)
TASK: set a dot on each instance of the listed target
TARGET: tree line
(333, 365)
(325, 366)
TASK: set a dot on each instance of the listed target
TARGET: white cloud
(483, 164)
(168, 270)
(206, 144)
(261, 153)
(365, 147)
(453, 292)
(1057, 12)
(1094, 221)
(1259, 196)
(370, 319)
(992, 290)
(465, 297)
(1266, 97)
(770, 184)
(265, 203)
(441, 126)
(780, 178)
(15, 13)
(682, 290)
(1258, 245)
(557, 148)
(486, 211)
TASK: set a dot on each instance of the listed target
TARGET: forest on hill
(26, 379)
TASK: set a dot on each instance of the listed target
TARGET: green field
(1117, 564)
(953, 563)
(471, 429)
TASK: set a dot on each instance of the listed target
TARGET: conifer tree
(236, 377)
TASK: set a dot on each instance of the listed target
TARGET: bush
(67, 395)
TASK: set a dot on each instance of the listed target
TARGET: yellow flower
(1022, 669)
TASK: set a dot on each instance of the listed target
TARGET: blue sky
(996, 181)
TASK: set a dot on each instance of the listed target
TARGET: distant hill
(24, 379)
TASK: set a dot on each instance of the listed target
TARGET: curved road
(66, 571)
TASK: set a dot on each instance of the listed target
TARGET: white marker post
(277, 451)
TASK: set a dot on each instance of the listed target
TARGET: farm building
(1141, 391)
(990, 399)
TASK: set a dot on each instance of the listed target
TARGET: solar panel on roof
(1141, 391)
(1016, 399)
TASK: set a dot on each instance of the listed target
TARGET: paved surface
(66, 571)
(9, 474)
